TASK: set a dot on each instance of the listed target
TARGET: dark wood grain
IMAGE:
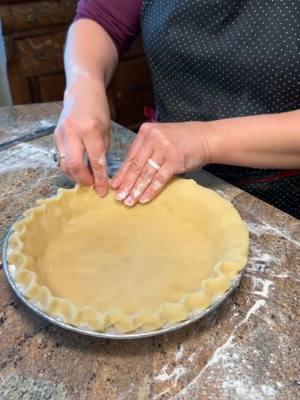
(35, 15)
(40, 53)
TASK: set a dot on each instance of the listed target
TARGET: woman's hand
(159, 151)
(82, 134)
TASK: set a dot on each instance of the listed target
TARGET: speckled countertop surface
(248, 349)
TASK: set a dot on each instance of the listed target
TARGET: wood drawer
(135, 50)
(40, 54)
(132, 91)
(36, 15)
(52, 87)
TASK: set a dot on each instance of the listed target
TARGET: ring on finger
(57, 158)
(153, 164)
(149, 171)
(146, 176)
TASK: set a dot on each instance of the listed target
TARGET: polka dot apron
(213, 59)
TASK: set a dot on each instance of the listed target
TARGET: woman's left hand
(160, 151)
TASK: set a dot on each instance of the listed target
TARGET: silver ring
(57, 157)
(153, 164)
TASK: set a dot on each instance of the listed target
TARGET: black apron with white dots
(213, 59)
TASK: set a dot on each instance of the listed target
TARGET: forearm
(264, 141)
(90, 54)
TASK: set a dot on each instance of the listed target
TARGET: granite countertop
(248, 349)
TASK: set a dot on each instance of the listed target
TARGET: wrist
(206, 141)
(212, 141)
(82, 84)
(87, 100)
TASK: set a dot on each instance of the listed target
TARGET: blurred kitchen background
(31, 54)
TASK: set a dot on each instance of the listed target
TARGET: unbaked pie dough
(95, 263)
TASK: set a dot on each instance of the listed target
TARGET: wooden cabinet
(131, 90)
(35, 34)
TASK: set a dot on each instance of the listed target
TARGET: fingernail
(114, 182)
(101, 191)
(136, 193)
(129, 201)
(144, 200)
(156, 185)
(121, 196)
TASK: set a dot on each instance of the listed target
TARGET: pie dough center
(127, 259)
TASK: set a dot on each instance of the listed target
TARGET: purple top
(120, 19)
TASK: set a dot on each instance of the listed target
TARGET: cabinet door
(52, 87)
(35, 67)
(23, 15)
(40, 55)
(132, 90)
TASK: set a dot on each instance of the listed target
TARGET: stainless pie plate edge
(113, 333)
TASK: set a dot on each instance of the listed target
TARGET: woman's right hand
(83, 129)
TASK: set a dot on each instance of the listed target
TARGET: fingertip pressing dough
(95, 263)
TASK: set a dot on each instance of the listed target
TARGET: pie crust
(96, 264)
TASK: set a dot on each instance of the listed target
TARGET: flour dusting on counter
(245, 391)
(17, 128)
(232, 357)
(26, 155)
(174, 374)
(260, 229)
(37, 388)
(179, 353)
(240, 380)
(260, 286)
(259, 259)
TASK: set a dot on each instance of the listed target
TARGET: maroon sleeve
(120, 19)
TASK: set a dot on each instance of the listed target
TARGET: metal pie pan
(110, 333)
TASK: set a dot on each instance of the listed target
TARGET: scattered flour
(192, 356)
(238, 381)
(260, 229)
(80, 71)
(174, 375)
(256, 306)
(260, 286)
(47, 123)
(179, 353)
(228, 355)
(268, 390)
(15, 386)
(261, 261)
(18, 128)
(26, 155)
(283, 275)
(244, 390)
